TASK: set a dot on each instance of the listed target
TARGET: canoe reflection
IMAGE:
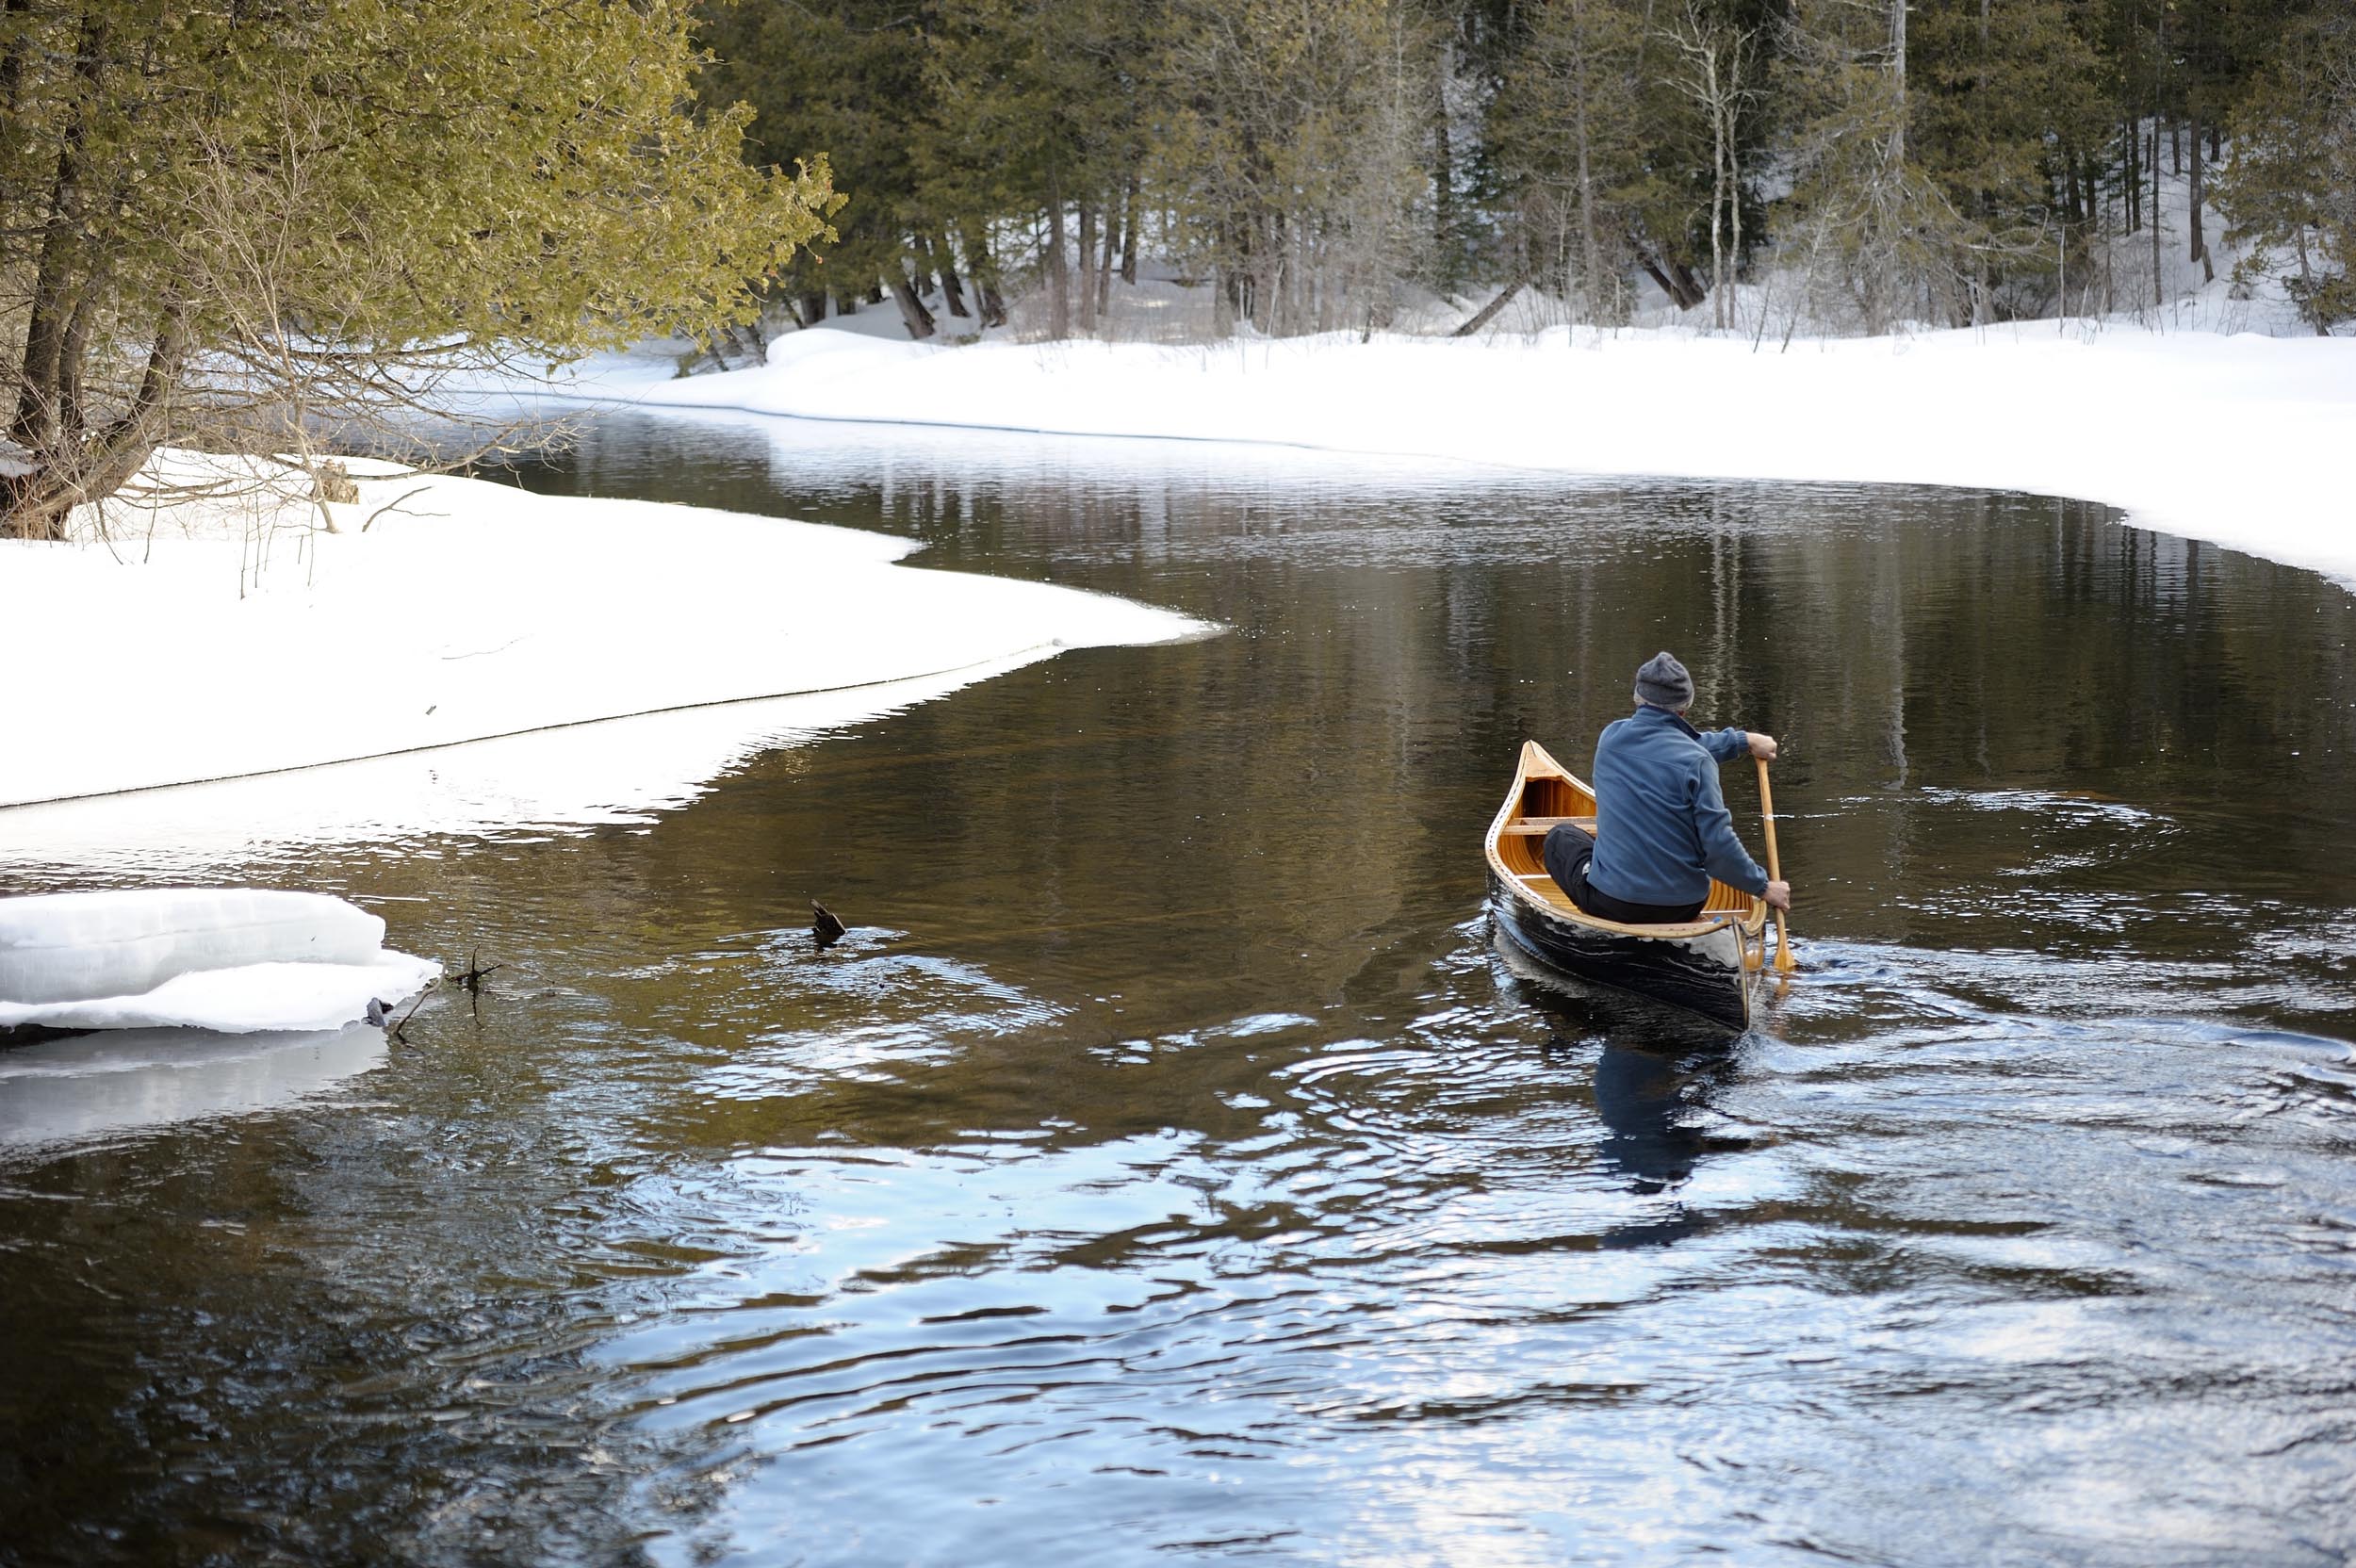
(1651, 1070)
(1640, 1097)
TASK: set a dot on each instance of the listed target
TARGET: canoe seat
(1538, 827)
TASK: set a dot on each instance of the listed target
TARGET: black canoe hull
(1691, 974)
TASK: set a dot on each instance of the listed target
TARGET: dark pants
(1566, 851)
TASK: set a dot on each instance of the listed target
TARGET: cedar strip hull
(1683, 973)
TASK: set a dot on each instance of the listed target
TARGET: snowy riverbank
(217, 640)
(2240, 440)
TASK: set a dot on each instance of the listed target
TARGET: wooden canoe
(1706, 965)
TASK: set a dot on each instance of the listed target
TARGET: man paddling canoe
(1665, 828)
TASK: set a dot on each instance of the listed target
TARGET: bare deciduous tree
(1717, 72)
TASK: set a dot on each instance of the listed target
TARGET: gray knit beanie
(1664, 682)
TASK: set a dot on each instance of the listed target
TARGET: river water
(1169, 1169)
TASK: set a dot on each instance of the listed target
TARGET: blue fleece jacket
(1661, 828)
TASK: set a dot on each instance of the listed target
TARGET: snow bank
(215, 640)
(250, 998)
(58, 947)
(93, 1085)
(528, 786)
(233, 959)
(2239, 440)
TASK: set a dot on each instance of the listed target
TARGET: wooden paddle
(1785, 963)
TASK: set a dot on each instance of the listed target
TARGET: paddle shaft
(1784, 960)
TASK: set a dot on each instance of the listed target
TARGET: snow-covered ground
(2199, 404)
(2243, 440)
(228, 638)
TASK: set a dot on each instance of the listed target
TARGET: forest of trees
(234, 226)
(1952, 161)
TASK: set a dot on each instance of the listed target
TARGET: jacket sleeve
(1722, 852)
(1726, 745)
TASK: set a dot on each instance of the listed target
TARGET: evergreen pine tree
(2289, 187)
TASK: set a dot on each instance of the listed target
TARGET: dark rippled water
(1169, 1168)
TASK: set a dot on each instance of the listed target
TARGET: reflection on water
(1169, 1165)
(83, 1086)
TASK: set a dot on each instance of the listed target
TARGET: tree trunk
(2200, 245)
(985, 270)
(1113, 220)
(2159, 56)
(71, 412)
(1898, 75)
(1299, 279)
(1590, 252)
(35, 504)
(1058, 266)
(2135, 177)
(912, 312)
(1734, 172)
(1676, 279)
(814, 309)
(1087, 265)
(1129, 235)
(2061, 275)
(35, 423)
(952, 289)
(1444, 200)
(1717, 249)
(1487, 313)
(2307, 278)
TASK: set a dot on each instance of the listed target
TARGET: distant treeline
(1944, 160)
